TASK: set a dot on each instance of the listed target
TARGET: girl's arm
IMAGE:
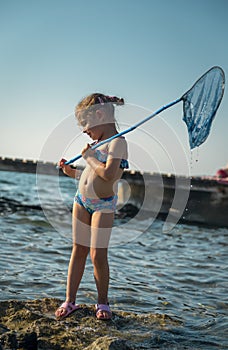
(67, 169)
(107, 171)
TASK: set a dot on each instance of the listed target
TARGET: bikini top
(103, 155)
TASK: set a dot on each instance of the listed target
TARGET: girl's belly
(92, 186)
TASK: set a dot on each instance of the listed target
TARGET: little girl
(95, 200)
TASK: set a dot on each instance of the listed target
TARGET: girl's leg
(101, 226)
(81, 242)
(75, 270)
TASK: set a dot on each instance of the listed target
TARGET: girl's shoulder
(118, 141)
(118, 146)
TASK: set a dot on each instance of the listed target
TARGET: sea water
(182, 273)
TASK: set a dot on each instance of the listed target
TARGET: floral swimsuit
(107, 204)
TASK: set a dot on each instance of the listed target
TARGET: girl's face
(92, 125)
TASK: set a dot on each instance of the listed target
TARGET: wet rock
(9, 341)
(31, 325)
(127, 211)
(109, 343)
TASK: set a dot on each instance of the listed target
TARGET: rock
(31, 325)
(109, 343)
(127, 211)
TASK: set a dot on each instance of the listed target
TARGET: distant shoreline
(29, 166)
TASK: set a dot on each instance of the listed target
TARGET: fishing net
(200, 104)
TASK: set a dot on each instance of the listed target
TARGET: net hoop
(200, 104)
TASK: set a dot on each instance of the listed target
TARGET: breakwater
(178, 198)
(190, 200)
(28, 166)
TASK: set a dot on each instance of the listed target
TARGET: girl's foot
(103, 312)
(66, 309)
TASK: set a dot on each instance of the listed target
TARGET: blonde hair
(97, 101)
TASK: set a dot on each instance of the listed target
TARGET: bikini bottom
(107, 204)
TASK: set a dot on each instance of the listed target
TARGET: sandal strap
(67, 304)
(103, 307)
(69, 307)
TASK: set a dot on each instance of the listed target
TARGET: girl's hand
(65, 168)
(87, 152)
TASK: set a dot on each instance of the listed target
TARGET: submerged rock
(32, 325)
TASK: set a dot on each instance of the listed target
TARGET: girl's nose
(85, 130)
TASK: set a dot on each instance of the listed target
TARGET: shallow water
(182, 273)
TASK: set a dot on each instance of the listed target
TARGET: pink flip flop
(103, 307)
(69, 307)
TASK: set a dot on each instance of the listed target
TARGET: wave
(9, 206)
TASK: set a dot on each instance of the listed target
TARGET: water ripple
(182, 274)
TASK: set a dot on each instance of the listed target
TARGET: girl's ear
(100, 114)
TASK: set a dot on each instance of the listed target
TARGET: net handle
(131, 128)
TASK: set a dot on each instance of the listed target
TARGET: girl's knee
(98, 256)
(80, 250)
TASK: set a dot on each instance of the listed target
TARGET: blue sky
(150, 52)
